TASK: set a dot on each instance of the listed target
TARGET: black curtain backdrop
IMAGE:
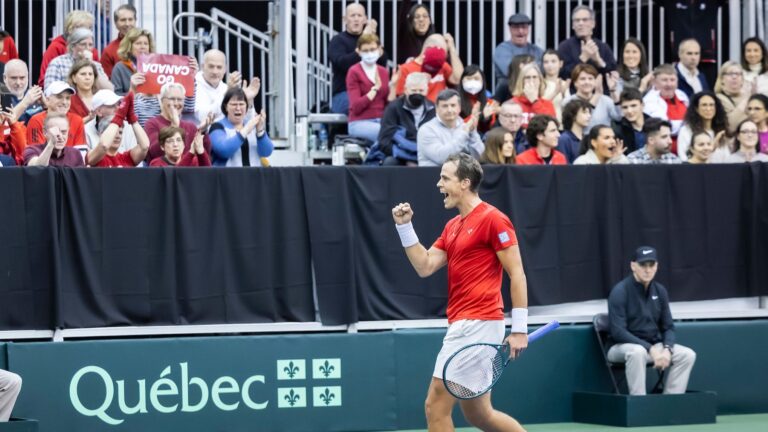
(107, 247)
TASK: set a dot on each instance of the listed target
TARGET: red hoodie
(541, 106)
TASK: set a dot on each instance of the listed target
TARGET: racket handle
(542, 331)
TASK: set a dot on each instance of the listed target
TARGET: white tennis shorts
(464, 332)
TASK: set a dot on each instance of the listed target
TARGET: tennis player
(476, 245)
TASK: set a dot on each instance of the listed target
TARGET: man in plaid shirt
(79, 45)
(658, 143)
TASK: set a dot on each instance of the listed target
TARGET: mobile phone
(6, 101)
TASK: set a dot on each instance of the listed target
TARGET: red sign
(159, 69)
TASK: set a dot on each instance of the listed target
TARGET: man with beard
(658, 145)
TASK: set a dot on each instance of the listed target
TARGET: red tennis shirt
(474, 271)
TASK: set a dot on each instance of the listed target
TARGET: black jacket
(639, 316)
(397, 116)
(625, 132)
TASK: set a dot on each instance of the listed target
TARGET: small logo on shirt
(654, 297)
(469, 231)
(503, 237)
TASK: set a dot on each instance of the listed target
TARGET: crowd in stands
(92, 109)
(579, 104)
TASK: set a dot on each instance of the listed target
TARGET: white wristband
(519, 320)
(408, 236)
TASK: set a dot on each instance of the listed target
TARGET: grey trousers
(636, 358)
(10, 385)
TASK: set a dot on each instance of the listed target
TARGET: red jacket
(77, 106)
(531, 157)
(109, 57)
(9, 51)
(14, 143)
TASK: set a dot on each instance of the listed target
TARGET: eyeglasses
(175, 100)
(734, 74)
(512, 116)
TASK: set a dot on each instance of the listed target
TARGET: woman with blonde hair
(529, 93)
(82, 77)
(732, 93)
(499, 147)
(125, 75)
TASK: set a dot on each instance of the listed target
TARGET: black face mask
(415, 100)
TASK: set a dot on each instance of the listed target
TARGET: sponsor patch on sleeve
(503, 237)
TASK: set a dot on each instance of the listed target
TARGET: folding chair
(602, 326)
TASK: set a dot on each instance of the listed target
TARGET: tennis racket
(474, 369)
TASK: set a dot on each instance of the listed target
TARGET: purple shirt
(70, 156)
(763, 140)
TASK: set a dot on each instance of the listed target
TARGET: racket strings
(474, 370)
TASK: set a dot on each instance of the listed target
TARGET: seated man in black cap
(642, 328)
(519, 27)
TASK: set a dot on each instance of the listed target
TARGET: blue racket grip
(542, 331)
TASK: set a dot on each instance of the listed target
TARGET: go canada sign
(293, 384)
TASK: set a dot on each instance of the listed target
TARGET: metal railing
(248, 50)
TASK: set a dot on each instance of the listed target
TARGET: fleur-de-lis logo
(326, 369)
(327, 396)
(291, 370)
(292, 397)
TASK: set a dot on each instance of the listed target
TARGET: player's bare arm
(425, 262)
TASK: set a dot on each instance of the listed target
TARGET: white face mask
(369, 58)
(472, 86)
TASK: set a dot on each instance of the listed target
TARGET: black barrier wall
(96, 247)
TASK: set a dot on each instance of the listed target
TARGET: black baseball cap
(645, 254)
(519, 19)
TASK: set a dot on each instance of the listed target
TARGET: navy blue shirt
(570, 50)
(640, 316)
(569, 145)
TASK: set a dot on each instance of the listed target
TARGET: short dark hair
(538, 125)
(128, 7)
(583, 68)
(232, 93)
(763, 99)
(653, 126)
(572, 109)
(446, 94)
(630, 94)
(467, 168)
(169, 132)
